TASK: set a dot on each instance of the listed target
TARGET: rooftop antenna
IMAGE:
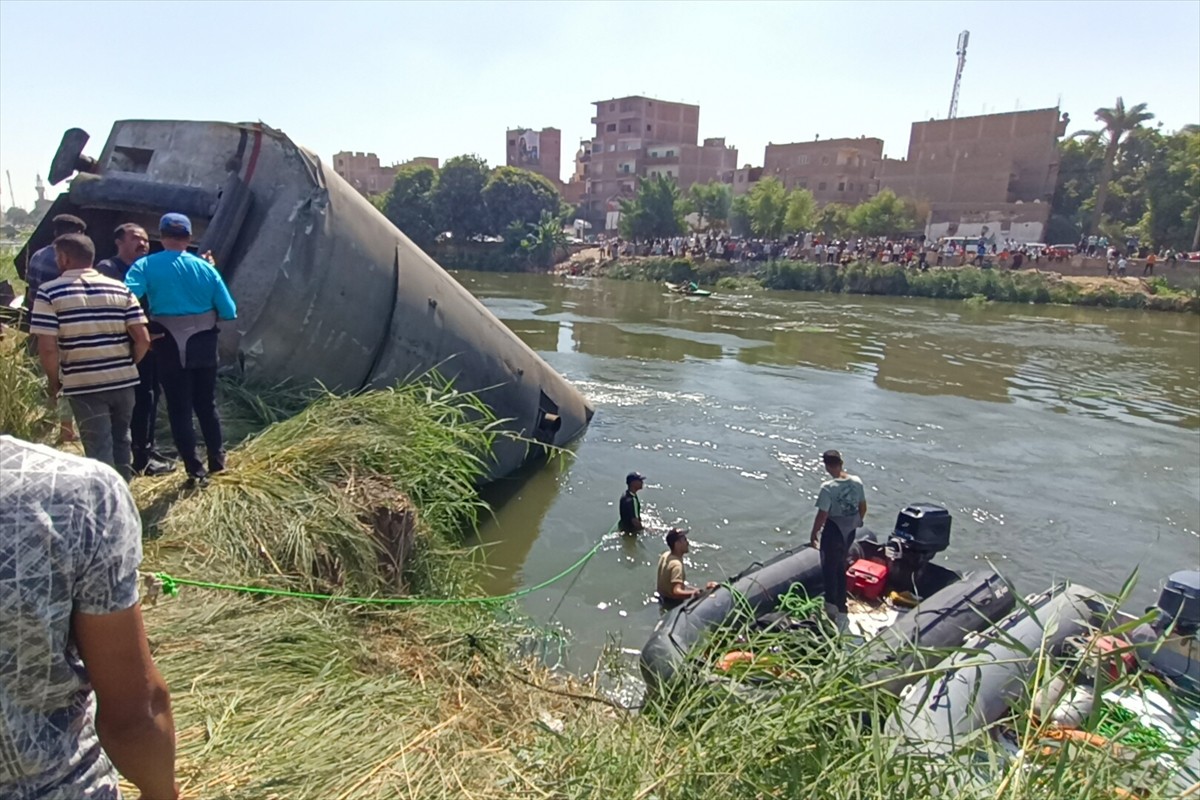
(961, 52)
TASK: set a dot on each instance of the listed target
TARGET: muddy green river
(1065, 441)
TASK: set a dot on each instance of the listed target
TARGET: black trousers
(145, 410)
(834, 547)
(188, 391)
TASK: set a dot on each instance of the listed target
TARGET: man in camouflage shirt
(80, 697)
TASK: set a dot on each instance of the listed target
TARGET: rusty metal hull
(327, 289)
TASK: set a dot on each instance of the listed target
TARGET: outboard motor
(1179, 603)
(922, 531)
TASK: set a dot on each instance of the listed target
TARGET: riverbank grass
(870, 278)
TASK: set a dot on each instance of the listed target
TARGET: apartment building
(364, 172)
(639, 137)
(993, 174)
(834, 170)
(536, 151)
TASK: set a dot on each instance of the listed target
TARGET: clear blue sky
(439, 79)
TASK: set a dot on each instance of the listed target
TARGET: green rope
(170, 587)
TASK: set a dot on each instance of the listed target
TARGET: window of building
(821, 186)
(512, 142)
(803, 159)
(842, 186)
(670, 154)
(824, 159)
(612, 106)
(611, 127)
(612, 148)
(647, 127)
(803, 184)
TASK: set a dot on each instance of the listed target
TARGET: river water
(1064, 441)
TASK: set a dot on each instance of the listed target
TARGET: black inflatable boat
(978, 687)
(950, 606)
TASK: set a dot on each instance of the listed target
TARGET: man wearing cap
(133, 243)
(185, 296)
(841, 506)
(672, 583)
(630, 505)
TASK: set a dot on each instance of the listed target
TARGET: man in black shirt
(133, 243)
(631, 507)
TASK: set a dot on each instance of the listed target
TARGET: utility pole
(12, 197)
(961, 52)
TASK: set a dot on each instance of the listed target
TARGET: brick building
(834, 170)
(639, 137)
(364, 172)
(744, 178)
(993, 175)
(536, 151)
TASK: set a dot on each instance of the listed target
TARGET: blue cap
(175, 225)
(634, 476)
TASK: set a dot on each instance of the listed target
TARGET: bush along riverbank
(860, 277)
(323, 697)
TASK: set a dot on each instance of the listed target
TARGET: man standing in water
(630, 505)
(841, 506)
(672, 582)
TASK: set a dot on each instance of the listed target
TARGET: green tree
(17, 216)
(834, 219)
(409, 204)
(657, 210)
(458, 203)
(882, 215)
(739, 216)
(543, 241)
(1173, 192)
(1118, 121)
(518, 196)
(801, 211)
(768, 204)
(713, 202)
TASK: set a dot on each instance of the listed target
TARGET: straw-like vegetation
(23, 409)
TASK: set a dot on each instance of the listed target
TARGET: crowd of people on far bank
(917, 252)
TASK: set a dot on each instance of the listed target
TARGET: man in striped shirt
(91, 334)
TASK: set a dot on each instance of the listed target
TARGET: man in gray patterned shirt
(80, 697)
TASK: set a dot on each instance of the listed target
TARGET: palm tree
(1118, 121)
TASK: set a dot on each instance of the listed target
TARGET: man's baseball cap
(831, 457)
(174, 224)
(634, 476)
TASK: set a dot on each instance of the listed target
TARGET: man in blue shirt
(185, 296)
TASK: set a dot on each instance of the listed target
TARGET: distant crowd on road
(912, 251)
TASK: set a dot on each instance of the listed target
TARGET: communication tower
(962, 60)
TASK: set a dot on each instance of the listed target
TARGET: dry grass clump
(323, 500)
(23, 409)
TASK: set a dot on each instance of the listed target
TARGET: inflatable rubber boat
(981, 686)
(687, 290)
(948, 606)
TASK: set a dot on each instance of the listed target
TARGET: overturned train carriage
(327, 289)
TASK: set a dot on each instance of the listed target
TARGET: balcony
(661, 159)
